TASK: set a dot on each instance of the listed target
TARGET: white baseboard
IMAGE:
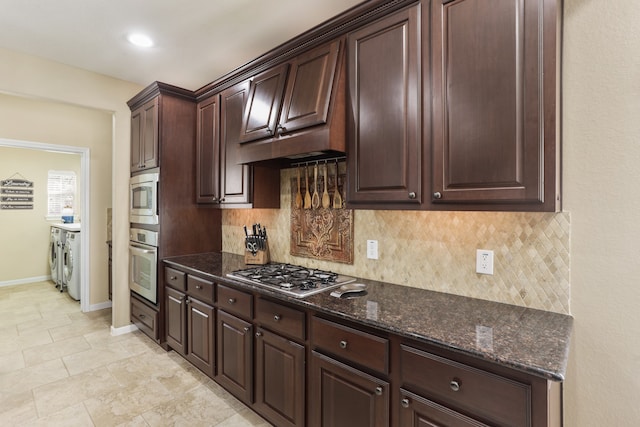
(100, 306)
(123, 330)
(25, 281)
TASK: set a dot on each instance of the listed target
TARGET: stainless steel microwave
(143, 198)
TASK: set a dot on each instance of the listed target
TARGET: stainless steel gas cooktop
(293, 280)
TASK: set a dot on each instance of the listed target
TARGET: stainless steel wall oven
(143, 263)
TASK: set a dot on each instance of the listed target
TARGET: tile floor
(61, 367)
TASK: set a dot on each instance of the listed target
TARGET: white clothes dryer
(71, 264)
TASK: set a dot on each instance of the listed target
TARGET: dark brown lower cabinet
(235, 356)
(280, 384)
(344, 396)
(200, 336)
(176, 319)
(417, 411)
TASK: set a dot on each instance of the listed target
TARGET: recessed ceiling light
(139, 39)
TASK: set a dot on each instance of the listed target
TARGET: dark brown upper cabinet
(208, 151)
(144, 136)
(495, 105)
(263, 104)
(295, 108)
(385, 164)
(306, 100)
(221, 179)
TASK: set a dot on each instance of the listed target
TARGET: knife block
(260, 258)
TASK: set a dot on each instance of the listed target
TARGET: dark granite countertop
(526, 339)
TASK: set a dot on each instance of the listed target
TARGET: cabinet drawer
(200, 289)
(350, 344)
(145, 318)
(175, 278)
(503, 401)
(235, 301)
(281, 319)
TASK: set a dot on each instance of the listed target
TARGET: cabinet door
(384, 133)
(136, 138)
(176, 318)
(494, 102)
(263, 104)
(208, 151)
(306, 100)
(346, 397)
(144, 136)
(149, 149)
(235, 181)
(280, 381)
(235, 356)
(200, 336)
(417, 411)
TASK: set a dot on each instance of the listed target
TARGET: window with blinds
(61, 191)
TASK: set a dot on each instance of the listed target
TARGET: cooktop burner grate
(291, 279)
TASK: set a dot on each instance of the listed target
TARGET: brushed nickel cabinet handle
(232, 300)
(437, 195)
(405, 402)
(343, 344)
(198, 287)
(258, 334)
(412, 195)
(379, 391)
(455, 384)
(277, 317)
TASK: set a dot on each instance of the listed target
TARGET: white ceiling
(196, 41)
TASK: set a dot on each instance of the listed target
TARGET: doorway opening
(85, 209)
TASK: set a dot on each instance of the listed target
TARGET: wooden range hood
(296, 110)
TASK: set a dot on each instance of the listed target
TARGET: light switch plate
(372, 249)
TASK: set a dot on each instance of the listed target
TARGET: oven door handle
(142, 249)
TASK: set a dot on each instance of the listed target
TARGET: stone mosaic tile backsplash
(437, 250)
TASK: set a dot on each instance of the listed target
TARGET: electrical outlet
(484, 261)
(372, 249)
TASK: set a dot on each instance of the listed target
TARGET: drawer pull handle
(277, 317)
(405, 402)
(455, 384)
(142, 316)
(437, 195)
(246, 329)
(379, 391)
(198, 287)
(258, 334)
(412, 195)
(232, 300)
(343, 344)
(173, 278)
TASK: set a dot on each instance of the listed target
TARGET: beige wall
(27, 77)
(28, 230)
(602, 190)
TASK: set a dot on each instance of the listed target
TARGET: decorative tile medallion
(323, 233)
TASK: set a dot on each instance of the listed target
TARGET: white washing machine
(71, 264)
(55, 255)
